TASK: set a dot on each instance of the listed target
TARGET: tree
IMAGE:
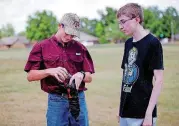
(41, 25)
(0, 34)
(156, 12)
(89, 26)
(99, 29)
(160, 22)
(109, 26)
(113, 33)
(157, 21)
(170, 16)
(7, 30)
(108, 16)
(153, 20)
(22, 33)
(106, 28)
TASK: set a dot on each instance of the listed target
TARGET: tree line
(42, 24)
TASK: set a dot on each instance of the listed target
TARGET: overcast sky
(17, 11)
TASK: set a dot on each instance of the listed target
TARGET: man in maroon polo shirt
(52, 61)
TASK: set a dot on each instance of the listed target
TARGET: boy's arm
(158, 82)
(158, 76)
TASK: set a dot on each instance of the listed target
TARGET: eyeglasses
(122, 22)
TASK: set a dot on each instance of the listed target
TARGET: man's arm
(59, 73)
(158, 82)
(35, 75)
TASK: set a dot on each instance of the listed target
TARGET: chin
(65, 40)
(128, 34)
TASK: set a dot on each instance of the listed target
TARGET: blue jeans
(133, 122)
(58, 111)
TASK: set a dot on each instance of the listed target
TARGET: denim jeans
(134, 122)
(58, 111)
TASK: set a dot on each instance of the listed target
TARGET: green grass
(24, 104)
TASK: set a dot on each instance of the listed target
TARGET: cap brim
(72, 31)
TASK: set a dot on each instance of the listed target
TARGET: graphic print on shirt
(131, 71)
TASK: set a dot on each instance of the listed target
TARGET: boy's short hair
(131, 10)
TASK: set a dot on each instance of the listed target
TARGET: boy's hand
(147, 120)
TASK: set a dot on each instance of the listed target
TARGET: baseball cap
(71, 24)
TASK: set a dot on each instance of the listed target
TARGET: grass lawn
(24, 104)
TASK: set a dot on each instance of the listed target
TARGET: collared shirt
(50, 53)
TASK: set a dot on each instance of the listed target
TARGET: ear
(138, 19)
(60, 26)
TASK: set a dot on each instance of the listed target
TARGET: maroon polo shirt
(50, 53)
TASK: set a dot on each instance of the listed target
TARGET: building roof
(22, 39)
(176, 36)
(86, 37)
(8, 40)
(14, 39)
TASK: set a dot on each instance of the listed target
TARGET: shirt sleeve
(88, 65)
(124, 57)
(157, 56)
(35, 58)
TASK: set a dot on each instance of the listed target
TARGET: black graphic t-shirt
(139, 61)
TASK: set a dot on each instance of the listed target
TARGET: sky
(16, 12)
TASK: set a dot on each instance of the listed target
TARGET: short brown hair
(131, 10)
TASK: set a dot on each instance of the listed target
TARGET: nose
(69, 36)
(121, 26)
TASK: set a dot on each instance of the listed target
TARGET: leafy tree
(170, 19)
(99, 29)
(152, 21)
(108, 16)
(157, 21)
(0, 34)
(22, 33)
(7, 30)
(41, 25)
(88, 26)
(113, 33)
(160, 22)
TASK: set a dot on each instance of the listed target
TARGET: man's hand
(147, 120)
(59, 73)
(78, 79)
